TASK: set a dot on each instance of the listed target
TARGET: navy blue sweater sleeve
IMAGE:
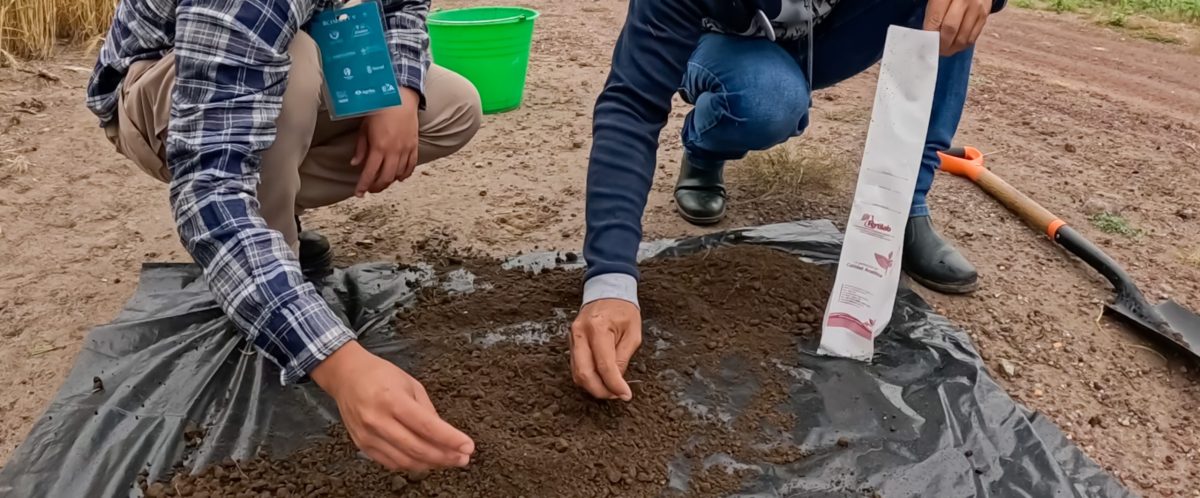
(647, 69)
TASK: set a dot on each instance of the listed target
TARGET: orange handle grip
(968, 163)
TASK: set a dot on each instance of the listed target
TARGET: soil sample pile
(710, 388)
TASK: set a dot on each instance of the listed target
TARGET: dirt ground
(495, 373)
(1081, 117)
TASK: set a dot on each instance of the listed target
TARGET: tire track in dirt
(1091, 58)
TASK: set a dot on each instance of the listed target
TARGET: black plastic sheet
(924, 419)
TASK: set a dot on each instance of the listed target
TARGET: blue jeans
(752, 93)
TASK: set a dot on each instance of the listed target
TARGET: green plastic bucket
(489, 46)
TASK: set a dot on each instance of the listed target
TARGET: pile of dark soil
(709, 385)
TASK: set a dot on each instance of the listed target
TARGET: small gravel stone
(399, 483)
(1008, 368)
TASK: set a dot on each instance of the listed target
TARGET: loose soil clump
(710, 383)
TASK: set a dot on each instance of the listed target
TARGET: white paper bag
(868, 275)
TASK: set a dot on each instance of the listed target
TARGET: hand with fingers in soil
(388, 413)
(604, 338)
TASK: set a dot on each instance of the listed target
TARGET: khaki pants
(308, 166)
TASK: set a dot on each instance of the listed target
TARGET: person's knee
(768, 114)
(304, 79)
(461, 118)
(468, 117)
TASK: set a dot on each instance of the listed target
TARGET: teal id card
(359, 77)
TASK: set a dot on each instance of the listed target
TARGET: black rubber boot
(935, 263)
(700, 194)
(316, 254)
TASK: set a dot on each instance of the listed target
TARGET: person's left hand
(387, 145)
(959, 21)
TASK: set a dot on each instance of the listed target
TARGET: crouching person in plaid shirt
(222, 99)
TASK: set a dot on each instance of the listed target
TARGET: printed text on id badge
(359, 77)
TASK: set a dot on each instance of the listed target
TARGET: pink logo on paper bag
(885, 262)
(868, 221)
(848, 322)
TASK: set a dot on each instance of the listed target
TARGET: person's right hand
(959, 21)
(388, 414)
(388, 145)
(603, 338)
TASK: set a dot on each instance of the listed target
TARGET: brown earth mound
(722, 330)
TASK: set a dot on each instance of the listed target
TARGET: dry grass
(1192, 257)
(85, 20)
(1150, 29)
(13, 161)
(790, 169)
(1156, 36)
(1167, 10)
(15, 165)
(1163, 21)
(30, 29)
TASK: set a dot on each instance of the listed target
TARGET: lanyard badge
(359, 77)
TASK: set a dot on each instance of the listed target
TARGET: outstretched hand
(388, 413)
(604, 337)
(959, 21)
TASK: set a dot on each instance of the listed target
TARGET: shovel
(1168, 320)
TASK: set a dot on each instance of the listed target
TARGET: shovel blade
(1169, 320)
(1183, 322)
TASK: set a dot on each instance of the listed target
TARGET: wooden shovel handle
(967, 162)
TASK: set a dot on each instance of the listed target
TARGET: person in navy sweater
(749, 68)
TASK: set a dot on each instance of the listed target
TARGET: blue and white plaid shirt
(231, 69)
